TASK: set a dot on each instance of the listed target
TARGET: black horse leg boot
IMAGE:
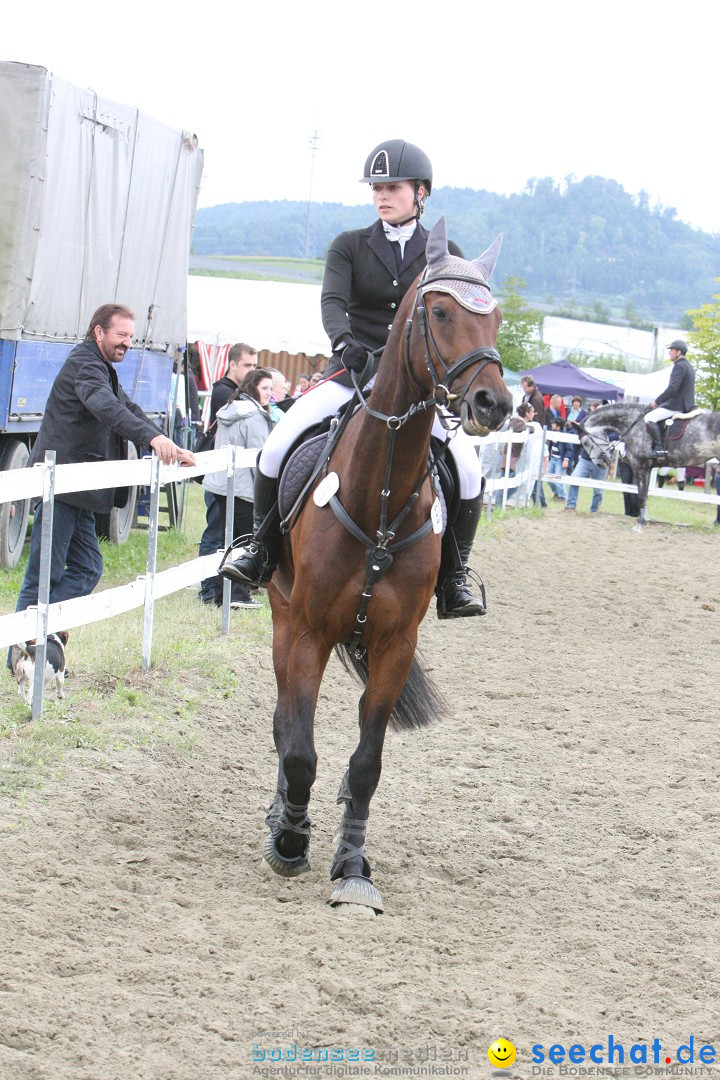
(655, 432)
(256, 562)
(454, 598)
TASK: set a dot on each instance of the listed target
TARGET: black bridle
(482, 357)
(611, 443)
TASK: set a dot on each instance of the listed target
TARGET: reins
(379, 557)
(614, 442)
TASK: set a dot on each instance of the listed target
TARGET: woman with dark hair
(245, 420)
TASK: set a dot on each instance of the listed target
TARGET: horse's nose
(492, 403)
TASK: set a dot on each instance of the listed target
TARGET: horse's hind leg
(351, 869)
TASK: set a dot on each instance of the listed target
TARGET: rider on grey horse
(678, 397)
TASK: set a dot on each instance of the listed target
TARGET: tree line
(583, 248)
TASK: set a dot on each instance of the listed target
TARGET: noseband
(482, 356)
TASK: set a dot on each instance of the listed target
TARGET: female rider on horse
(367, 273)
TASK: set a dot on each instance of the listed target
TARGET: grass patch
(112, 705)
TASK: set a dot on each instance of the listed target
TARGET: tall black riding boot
(454, 598)
(658, 447)
(256, 560)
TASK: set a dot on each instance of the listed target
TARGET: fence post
(229, 530)
(538, 485)
(151, 562)
(508, 449)
(48, 512)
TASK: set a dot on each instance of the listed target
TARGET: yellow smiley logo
(502, 1053)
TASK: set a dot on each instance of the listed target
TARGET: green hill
(582, 247)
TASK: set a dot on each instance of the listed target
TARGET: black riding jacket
(679, 394)
(363, 288)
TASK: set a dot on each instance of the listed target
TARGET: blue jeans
(555, 468)
(76, 564)
(213, 539)
(586, 468)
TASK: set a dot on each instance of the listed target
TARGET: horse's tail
(420, 702)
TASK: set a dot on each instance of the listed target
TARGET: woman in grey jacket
(245, 420)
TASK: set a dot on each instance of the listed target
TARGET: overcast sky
(495, 93)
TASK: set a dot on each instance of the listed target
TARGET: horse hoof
(358, 892)
(282, 866)
(638, 529)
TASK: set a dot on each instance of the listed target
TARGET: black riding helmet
(399, 160)
(679, 345)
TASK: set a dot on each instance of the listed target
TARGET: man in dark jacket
(88, 417)
(678, 397)
(532, 396)
(241, 359)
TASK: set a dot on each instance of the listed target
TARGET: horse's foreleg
(642, 479)
(287, 848)
(351, 868)
(281, 716)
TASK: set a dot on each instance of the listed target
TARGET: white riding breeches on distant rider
(324, 400)
(656, 415)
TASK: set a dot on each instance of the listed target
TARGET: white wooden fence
(47, 480)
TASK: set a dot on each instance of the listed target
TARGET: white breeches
(324, 400)
(661, 413)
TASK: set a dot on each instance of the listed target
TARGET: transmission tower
(309, 244)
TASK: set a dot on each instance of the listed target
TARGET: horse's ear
(486, 261)
(437, 251)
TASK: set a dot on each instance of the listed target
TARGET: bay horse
(690, 441)
(359, 563)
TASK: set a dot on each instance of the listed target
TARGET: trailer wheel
(13, 516)
(115, 526)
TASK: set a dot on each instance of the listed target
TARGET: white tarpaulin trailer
(97, 206)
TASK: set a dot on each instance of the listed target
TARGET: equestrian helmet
(398, 160)
(678, 344)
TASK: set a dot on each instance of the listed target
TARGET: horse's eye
(439, 313)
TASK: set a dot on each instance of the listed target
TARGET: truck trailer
(97, 204)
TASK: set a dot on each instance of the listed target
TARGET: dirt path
(548, 857)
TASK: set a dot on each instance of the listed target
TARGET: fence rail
(46, 481)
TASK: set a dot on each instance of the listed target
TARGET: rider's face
(395, 202)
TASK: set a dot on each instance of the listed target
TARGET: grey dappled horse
(689, 442)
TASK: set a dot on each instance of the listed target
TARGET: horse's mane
(613, 412)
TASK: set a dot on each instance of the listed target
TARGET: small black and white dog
(23, 665)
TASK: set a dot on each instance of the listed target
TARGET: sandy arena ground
(548, 856)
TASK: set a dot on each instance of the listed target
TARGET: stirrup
(246, 561)
(464, 604)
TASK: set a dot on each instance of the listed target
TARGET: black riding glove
(354, 357)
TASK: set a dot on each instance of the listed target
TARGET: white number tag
(436, 517)
(326, 489)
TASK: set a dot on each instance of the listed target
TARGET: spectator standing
(575, 416)
(303, 385)
(532, 396)
(557, 454)
(88, 417)
(242, 358)
(246, 421)
(631, 500)
(587, 468)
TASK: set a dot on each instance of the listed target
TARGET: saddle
(676, 431)
(304, 456)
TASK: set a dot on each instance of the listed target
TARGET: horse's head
(598, 448)
(452, 332)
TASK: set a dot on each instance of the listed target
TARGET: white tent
(270, 315)
(643, 387)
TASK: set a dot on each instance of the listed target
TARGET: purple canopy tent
(565, 379)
